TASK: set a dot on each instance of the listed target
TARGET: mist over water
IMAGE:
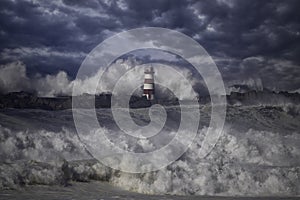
(62, 84)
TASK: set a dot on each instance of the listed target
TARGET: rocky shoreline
(25, 100)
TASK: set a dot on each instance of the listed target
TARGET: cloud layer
(53, 36)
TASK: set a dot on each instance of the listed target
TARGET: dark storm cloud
(49, 36)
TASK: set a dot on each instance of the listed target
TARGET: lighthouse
(149, 84)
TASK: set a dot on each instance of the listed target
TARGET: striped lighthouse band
(148, 76)
(149, 81)
(148, 86)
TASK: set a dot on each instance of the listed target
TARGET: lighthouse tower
(149, 84)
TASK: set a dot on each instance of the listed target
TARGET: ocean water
(258, 155)
(101, 190)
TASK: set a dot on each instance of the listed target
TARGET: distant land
(26, 100)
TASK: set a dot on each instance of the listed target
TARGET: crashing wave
(251, 163)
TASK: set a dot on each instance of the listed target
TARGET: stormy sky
(252, 41)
